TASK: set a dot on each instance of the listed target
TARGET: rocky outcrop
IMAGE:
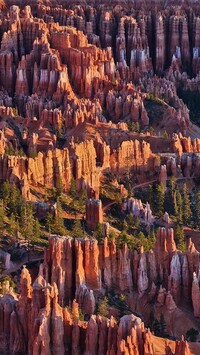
(5, 260)
(136, 209)
(85, 162)
(94, 213)
(69, 110)
(185, 144)
(60, 79)
(103, 266)
(58, 329)
(41, 304)
(132, 154)
(35, 52)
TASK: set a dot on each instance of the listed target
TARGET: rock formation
(136, 208)
(118, 266)
(96, 92)
(38, 319)
(94, 213)
(60, 79)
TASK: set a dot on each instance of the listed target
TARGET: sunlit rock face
(66, 80)
(38, 318)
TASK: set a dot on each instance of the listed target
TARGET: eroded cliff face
(39, 321)
(101, 267)
(85, 161)
(64, 81)
(77, 82)
(35, 52)
(55, 330)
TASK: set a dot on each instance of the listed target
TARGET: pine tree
(150, 195)
(156, 327)
(5, 192)
(59, 187)
(180, 238)
(141, 235)
(49, 222)
(118, 199)
(99, 233)
(122, 239)
(130, 219)
(103, 307)
(178, 205)
(151, 319)
(111, 235)
(159, 194)
(151, 238)
(14, 200)
(74, 195)
(13, 224)
(36, 229)
(124, 225)
(2, 215)
(159, 326)
(136, 222)
(59, 227)
(191, 335)
(186, 205)
(83, 194)
(165, 135)
(169, 203)
(30, 222)
(77, 229)
(162, 325)
(26, 220)
(72, 189)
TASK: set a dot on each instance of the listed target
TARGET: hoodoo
(99, 177)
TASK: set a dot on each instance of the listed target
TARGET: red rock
(48, 323)
(94, 213)
(65, 71)
(182, 347)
